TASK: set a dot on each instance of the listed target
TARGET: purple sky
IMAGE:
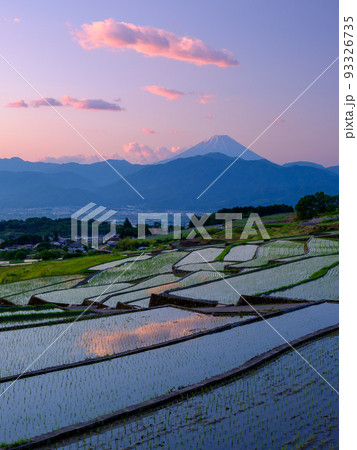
(141, 80)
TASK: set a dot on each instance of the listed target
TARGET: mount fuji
(219, 144)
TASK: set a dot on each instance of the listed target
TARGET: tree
(44, 245)
(127, 244)
(20, 255)
(306, 207)
(50, 254)
(312, 205)
(127, 223)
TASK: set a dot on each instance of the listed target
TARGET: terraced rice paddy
(282, 404)
(325, 287)
(118, 262)
(319, 246)
(101, 336)
(255, 263)
(134, 270)
(199, 256)
(35, 283)
(28, 310)
(133, 294)
(273, 251)
(4, 326)
(153, 281)
(211, 266)
(198, 277)
(241, 253)
(77, 295)
(143, 303)
(101, 292)
(19, 293)
(23, 319)
(62, 399)
(242, 413)
(254, 282)
(279, 249)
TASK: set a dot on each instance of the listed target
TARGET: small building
(112, 241)
(75, 247)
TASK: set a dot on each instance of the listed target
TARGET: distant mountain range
(173, 185)
(334, 169)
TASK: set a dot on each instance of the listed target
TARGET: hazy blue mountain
(219, 144)
(304, 163)
(178, 183)
(334, 169)
(35, 189)
(172, 186)
(100, 173)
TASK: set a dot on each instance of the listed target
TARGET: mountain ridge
(174, 185)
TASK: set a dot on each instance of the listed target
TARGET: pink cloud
(148, 131)
(170, 94)
(208, 116)
(278, 121)
(174, 94)
(49, 101)
(18, 104)
(17, 20)
(143, 154)
(173, 132)
(86, 103)
(151, 41)
(205, 98)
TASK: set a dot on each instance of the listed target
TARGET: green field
(49, 268)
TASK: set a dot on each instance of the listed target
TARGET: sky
(143, 80)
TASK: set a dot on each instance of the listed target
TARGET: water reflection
(101, 343)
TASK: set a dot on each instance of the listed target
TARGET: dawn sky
(142, 80)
